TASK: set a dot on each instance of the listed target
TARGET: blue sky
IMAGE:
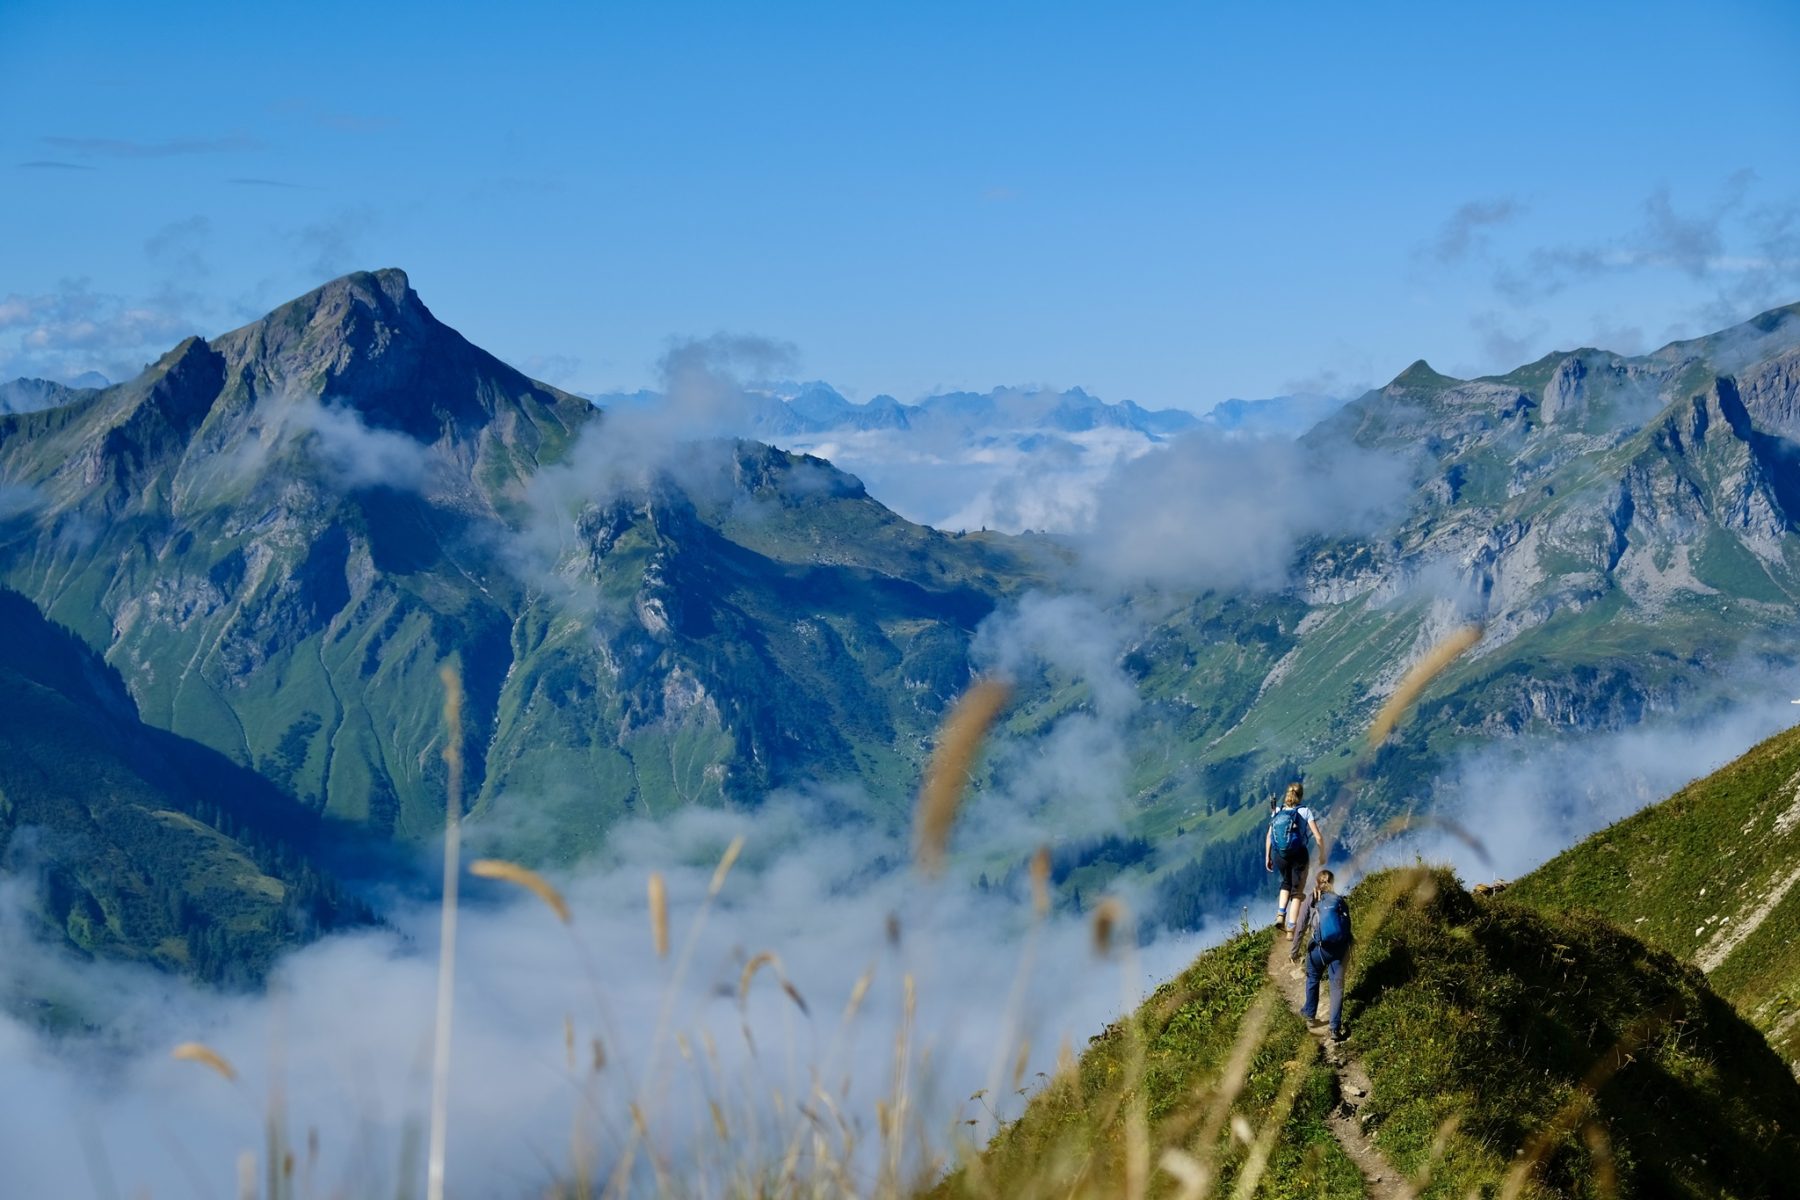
(1171, 203)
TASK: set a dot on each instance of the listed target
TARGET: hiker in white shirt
(1285, 850)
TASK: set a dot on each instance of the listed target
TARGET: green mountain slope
(1623, 529)
(1712, 875)
(1497, 1039)
(279, 536)
(141, 845)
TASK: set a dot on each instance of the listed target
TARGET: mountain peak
(1421, 375)
(368, 341)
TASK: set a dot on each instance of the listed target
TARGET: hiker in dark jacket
(1329, 918)
(1284, 850)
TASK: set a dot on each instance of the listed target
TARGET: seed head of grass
(453, 702)
(1040, 881)
(769, 959)
(1419, 677)
(726, 861)
(947, 774)
(1109, 916)
(201, 1053)
(659, 914)
(525, 877)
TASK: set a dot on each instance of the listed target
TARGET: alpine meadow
(899, 628)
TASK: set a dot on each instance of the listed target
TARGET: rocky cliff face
(1623, 528)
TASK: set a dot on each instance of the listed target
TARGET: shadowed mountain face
(278, 536)
(1712, 875)
(143, 845)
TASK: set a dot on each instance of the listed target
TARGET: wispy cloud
(333, 244)
(46, 164)
(336, 120)
(1217, 512)
(246, 181)
(1465, 231)
(180, 247)
(109, 147)
(57, 335)
(1748, 253)
(1504, 343)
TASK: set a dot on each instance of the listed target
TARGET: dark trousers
(1317, 964)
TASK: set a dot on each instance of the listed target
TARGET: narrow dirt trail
(1380, 1180)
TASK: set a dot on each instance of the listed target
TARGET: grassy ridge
(1166, 1062)
(1508, 1048)
(1560, 1032)
(1697, 875)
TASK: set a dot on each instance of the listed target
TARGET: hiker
(1329, 916)
(1284, 849)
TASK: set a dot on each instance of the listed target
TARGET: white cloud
(1528, 800)
(358, 455)
(343, 1036)
(1218, 512)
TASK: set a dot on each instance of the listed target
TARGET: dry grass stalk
(1040, 881)
(1188, 1173)
(726, 861)
(1606, 1175)
(1419, 677)
(659, 914)
(947, 774)
(440, 1057)
(1251, 1031)
(1257, 1161)
(858, 994)
(1575, 1112)
(205, 1055)
(1440, 1144)
(525, 877)
(794, 995)
(1109, 917)
(765, 958)
(894, 1118)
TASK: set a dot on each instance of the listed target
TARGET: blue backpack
(1287, 832)
(1334, 924)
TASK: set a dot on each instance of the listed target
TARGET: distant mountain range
(277, 536)
(1011, 459)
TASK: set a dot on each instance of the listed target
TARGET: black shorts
(1292, 869)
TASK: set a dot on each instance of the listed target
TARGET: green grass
(1494, 1014)
(1495, 1035)
(1168, 1057)
(1683, 873)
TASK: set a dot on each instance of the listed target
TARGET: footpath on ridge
(1380, 1180)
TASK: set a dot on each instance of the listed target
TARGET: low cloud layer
(1215, 512)
(343, 1039)
(1016, 480)
(1526, 801)
(350, 453)
(631, 445)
